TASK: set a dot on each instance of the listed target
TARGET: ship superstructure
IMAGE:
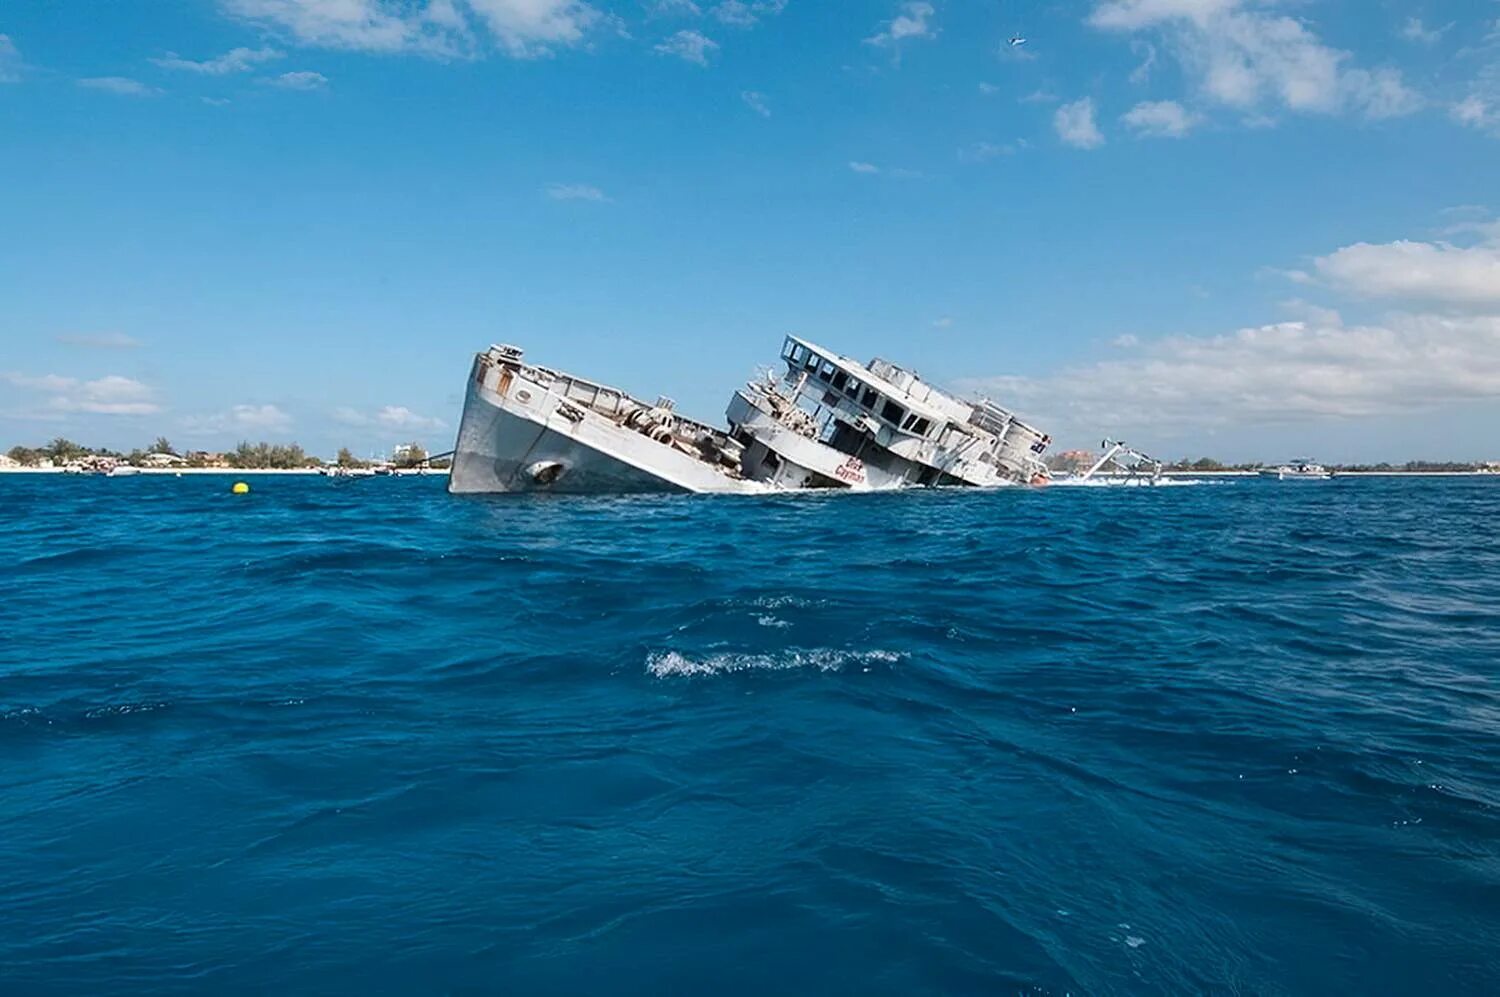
(828, 422)
(833, 422)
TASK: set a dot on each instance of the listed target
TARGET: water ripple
(1240, 739)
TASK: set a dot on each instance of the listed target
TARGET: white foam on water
(672, 664)
(767, 620)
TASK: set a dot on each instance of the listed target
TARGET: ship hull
(520, 436)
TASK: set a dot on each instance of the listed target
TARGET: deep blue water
(366, 737)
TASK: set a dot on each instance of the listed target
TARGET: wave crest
(673, 664)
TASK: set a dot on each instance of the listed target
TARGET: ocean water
(364, 737)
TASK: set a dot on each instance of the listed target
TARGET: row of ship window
(854, 389)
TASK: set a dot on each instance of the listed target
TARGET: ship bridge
(853, 385)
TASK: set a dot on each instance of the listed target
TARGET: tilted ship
(826, 422)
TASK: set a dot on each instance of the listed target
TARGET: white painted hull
(514, 438)
(783, 457)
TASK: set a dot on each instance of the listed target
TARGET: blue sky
(1239, 227)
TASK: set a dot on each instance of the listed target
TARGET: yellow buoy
(240, 488)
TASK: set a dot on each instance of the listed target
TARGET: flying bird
(1016, 40)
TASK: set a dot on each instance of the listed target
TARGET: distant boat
(1298, 470)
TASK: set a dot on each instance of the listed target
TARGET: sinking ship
(826, 421)
(832, 422)
(527, 428)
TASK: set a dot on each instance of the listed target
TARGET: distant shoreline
(186, 471)
(434, 471)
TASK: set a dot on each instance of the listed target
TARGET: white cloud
(1316, 366)
(1415, 31)
(108, 395)
(99, 340)
(943, 322)
(988, 89)
(238, 60)
(238, 419)
(1431, 272)
(894, 172)
(258, 417)
(1309, 312)
(527, 28)
(1038, 97)
(388, 417)
(756, 101)
(1474, 112)
(1140, 74)
(912, 21)
(401, 417)
(738, 14)
(673, 8)
(121, 85)
(1075, 124)
(10, 61)
(1248, 58)
(520, 28)
(300, 80)
(574, 192)
(1272, 373)
(1160, 119)
(690, 46)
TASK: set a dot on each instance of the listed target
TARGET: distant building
(206, 458)
(163, 460)
(1072, 461)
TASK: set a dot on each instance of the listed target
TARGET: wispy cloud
(1415, 31)
(1075, 125)
(1038, 97)
(10, 61)
(1475, 111)
(673, 8)
(108, 395)
(739, 14)
(574, 192)
(1248, 58)
(912, 20)
(690, 46)
(983, 152)
(442, 28)
(393, 417)
(893, 172)
(239, 419)
(238, 60)
(1160, 119)
(98, 340)
(756, 101)
(121, 85)
(300, 80)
